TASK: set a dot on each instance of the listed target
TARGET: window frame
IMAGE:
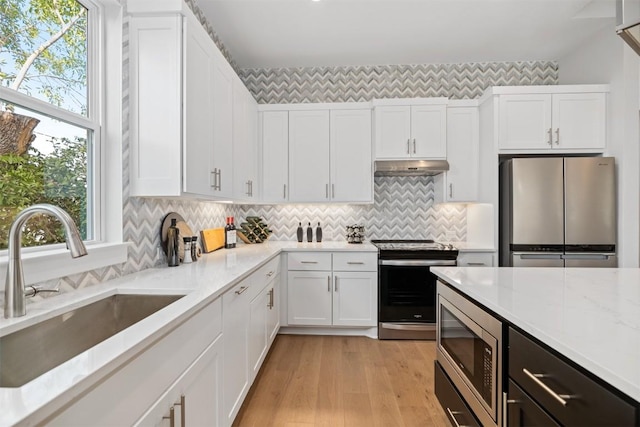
(104, 81)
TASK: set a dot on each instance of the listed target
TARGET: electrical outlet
(450, 236)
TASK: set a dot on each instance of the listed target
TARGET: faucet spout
(14, 291)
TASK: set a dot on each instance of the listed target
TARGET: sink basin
(32, 351)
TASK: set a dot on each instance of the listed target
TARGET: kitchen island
(589, 316)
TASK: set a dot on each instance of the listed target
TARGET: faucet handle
(31, 291)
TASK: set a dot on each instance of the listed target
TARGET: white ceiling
(301, 33)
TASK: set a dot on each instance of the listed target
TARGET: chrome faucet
(14, 291)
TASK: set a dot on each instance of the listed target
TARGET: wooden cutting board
(212, 239)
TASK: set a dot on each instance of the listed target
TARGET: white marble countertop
(590, 315)
(201, 282)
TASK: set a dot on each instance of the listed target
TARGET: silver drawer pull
(453, 414)
(308, 262)
(477, 263)
(269, 274)
(561, 398)
(355, 262)
(242, 289)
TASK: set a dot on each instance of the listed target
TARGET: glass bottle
(173, 244)
(187, 250)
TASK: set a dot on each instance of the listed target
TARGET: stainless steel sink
(30, 352)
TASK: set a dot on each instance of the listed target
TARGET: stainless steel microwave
(469, 349)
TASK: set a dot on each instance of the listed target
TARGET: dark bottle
(318, 233)
(299, 232)
(309, 233)
(230, 234)
(173, 244)
(194, 249)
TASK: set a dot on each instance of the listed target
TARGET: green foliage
(58, 72)
(58, 178)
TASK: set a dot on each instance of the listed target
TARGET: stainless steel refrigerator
(558, 212)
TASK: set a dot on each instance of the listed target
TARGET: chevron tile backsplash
(403, 207)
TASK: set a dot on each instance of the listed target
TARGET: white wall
(607, 59)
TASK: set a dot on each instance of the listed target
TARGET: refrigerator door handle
(587, 256)
(540, 256)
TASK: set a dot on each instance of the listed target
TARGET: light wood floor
(344, 381)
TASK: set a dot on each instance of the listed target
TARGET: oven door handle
(418, 262)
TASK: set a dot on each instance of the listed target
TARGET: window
(56, 59)
(49, 136)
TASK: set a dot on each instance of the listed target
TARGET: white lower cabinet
(195, 399)
(264, 321)
(340, 293)
(165, 368)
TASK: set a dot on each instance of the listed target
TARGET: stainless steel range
(407, 288)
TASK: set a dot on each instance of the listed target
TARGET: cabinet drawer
(316, 261)
(355, 261)
(267, 272)
(542, 375)
(456, 409)
(475, 259)
(523, 411)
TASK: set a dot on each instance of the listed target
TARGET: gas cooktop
(412, 245)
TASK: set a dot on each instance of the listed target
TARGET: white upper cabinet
(309, 156)
(460, 182)
(181, 95)
(351, 165)
(411, 128)
(245, 143)
(274, 127)
(552, 121)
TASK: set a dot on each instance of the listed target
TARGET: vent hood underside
(410, 167)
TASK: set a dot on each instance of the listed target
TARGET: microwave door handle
(599, 257)
(540, 256)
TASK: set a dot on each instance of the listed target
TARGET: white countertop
(201, 282)
(590, 315)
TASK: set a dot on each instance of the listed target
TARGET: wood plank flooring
(344, 381)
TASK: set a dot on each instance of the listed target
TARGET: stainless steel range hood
(410, 167)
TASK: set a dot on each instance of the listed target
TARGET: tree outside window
(43, 158)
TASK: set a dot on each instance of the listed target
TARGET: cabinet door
(475, 259)
(351, 167)
(522, 411)
(235, 319)
(258, 310)
(197, 392)
(429, 131)
(245, 142)
(355, 301)
(198, 110)
(309, 298)
(463, 133)
(273, 315)
(392, 132)
(222, 124)
(525, 122)
(275, 156)
(309, 156)
(579, 121)
(155, 75)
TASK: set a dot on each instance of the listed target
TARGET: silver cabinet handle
(355, 262)
(557, 136)
(171, 417)
(328, 283)
(269, 274)
(477, 264)
(326, 191)
(284, 191)
(408, 146)
(183, 412)
(550, 132)
(241, 290)
(333, 191)
(561, 398)
(212, 179)
(335, 283)
(450, 190)
(308, 262)
(248, 188)
(453, 414)
(271, 299)
(414, 146)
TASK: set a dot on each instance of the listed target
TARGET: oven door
(471, 352)
(407, 290)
